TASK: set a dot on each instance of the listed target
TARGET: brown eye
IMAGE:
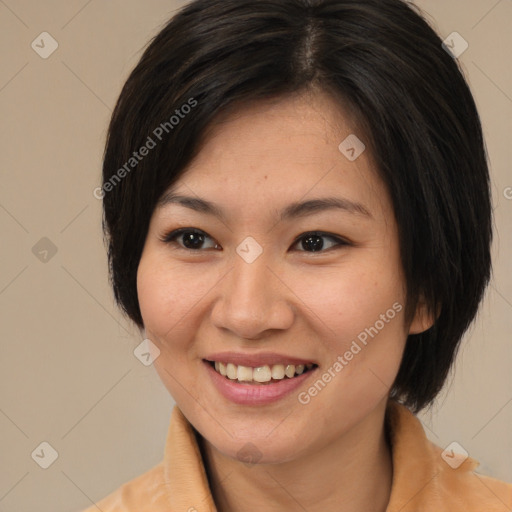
(188, 238)
(194, 239)
(313, 242)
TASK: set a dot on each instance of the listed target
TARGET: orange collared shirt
(422, 480)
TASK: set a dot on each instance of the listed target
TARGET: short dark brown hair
(384, 61)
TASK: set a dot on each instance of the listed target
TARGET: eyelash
(170, 238)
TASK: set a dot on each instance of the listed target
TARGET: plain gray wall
(68, 373)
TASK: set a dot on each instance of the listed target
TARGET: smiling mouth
(266, 374)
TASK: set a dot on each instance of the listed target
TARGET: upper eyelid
(179, 231)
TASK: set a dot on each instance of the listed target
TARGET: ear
(423, 320)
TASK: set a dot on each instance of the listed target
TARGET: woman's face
(259, 290)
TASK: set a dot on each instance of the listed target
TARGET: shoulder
(426, 477)
(144, 493)
(461, 487)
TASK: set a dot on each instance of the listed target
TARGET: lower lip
(255, 394)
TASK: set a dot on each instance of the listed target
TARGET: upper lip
(256, 360)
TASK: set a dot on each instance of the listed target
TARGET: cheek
(167, 295)
(155, 301)
(347, 299)
(360, 324)
(164, 300)
(163, 304)
(358, 314)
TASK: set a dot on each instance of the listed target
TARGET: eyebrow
(293, 210)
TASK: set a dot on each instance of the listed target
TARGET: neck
(353, 474)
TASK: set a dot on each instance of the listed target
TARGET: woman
(297, 206)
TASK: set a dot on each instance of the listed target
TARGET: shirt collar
(420, 475)
(418, 468)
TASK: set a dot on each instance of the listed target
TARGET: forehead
(278, 151)
(264, 127)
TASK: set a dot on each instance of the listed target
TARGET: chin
(259, 452)
(258, 448)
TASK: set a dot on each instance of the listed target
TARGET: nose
(252, 300)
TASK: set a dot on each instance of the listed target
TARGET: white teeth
(277, 371)
(290, 370)
(260, 374)
(244, 373)
(231, 371)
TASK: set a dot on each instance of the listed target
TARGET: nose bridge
(251, 283)
(251, 302)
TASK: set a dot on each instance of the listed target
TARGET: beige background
(68, 373)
